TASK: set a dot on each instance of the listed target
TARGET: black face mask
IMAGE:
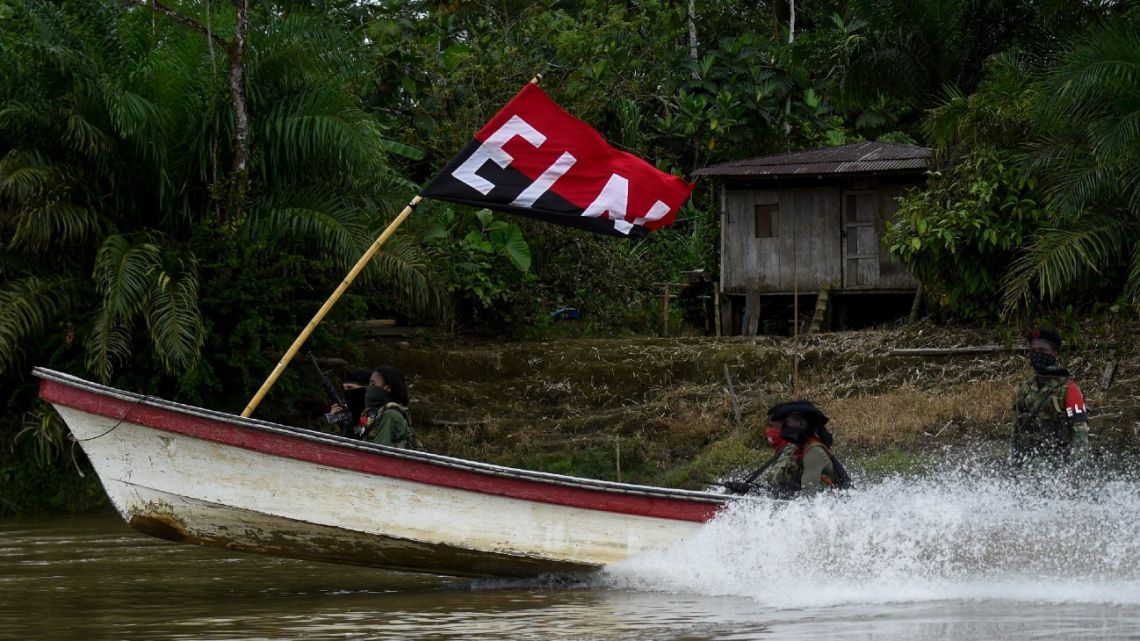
(1043, 363)
(376, 397)
(795, 429)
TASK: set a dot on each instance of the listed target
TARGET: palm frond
(28, 305)
(1070, 179)
(124, 277)
(47, 430)
(108, 345)
(319, 131)
(23, 114)
(400, 268)
(400, 149)
(87, 138)
(55, 224)
(1119, 136)
(131, 113)
(40, 213)
(24, 175)
(1130, 186)
(332, 225)
(298, 51)
(50, 38)
(174, 319)
(942, 125)
(1094, 76)
(124, 272)
(1057, 258)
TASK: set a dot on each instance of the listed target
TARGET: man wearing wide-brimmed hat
(811, 467)
(802, 463)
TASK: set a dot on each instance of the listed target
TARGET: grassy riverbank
(660, 410)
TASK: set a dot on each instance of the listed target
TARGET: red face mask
(774, 439)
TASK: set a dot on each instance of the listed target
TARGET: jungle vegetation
(182, 183)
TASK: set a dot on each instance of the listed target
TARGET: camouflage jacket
(803, 470)
(1049, 418)
(390, 425)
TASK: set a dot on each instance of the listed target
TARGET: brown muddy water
(974, 558)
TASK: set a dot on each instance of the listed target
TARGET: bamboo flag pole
(352, 274)
(360, 264)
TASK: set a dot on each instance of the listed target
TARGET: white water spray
(966, 533)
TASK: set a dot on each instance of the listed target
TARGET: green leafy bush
(960, 234)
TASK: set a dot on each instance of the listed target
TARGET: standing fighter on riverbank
(1050, 420)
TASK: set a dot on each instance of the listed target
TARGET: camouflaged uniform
(390, 426)
(782, 478)
(1049, 419)
(802, 471)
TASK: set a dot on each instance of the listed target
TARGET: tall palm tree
(85, 136)
(1087, 158)
(118, 125)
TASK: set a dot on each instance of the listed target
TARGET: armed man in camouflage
(802, 464)
(1050, 420)
(386, 418)
(760, 480)
(811, 467)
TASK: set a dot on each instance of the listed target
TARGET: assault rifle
(749, 483)
(341, 419)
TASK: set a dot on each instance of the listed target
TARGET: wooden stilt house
(805, 229)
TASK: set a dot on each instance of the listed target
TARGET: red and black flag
(536, 160)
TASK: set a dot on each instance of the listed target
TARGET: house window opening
(766, 216)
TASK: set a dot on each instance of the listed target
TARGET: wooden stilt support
(716, 311)
(752, 312)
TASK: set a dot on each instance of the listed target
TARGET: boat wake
(964, 532)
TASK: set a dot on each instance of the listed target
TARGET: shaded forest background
(183, 183)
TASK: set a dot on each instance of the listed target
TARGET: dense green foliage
(1036, 201)
(123, 257)
(138, 250)
(960, 234)
(1087, 154)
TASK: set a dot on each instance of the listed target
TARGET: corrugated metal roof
(860, 157)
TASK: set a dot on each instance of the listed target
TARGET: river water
(960, 555)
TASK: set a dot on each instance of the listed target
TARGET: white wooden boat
(194, 475)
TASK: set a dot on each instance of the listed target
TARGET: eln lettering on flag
(534, 159)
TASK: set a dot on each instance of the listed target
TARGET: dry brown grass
(666, 400)
(906, 417)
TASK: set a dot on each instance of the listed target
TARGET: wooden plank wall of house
(778, 240)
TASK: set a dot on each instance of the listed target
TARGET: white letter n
(613, 201)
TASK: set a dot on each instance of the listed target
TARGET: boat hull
(192, 475)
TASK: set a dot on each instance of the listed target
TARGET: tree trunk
(914, 306)
(694, 54)
(239, 169)
(791, 39)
